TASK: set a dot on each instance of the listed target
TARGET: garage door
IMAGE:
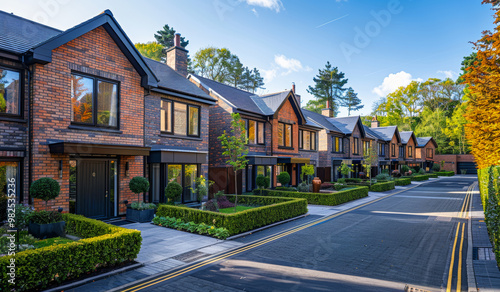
(470, 167)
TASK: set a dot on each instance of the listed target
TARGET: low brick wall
(451, 160)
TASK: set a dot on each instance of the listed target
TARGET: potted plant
(284, 178)
(139, 211)
(173, 192)
(45, 224)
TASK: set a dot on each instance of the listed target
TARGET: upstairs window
(410, 151)
(180, 119)
(402, 151)
(255, 132)
(94, 101)
(366, 147)
(307, 140)
(285, 135)
(337, 144)
(393, 150)
(355, 148)
(429, 153)
(381, 149)
(10, 92)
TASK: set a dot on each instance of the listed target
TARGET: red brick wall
(94, 53)
(286, 114)
(411, 143)
(451, 160)
(396, 145)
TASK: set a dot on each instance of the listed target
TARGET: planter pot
(140, 216)
(43, 231)
(316, 184)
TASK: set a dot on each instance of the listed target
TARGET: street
(409, 238)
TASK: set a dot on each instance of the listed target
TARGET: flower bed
(331, 199)
(273, 209)
(102, 245)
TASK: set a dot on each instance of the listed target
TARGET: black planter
(43, 231)
(140, 216)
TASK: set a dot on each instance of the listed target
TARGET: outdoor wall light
(126, 168)
(60, 168)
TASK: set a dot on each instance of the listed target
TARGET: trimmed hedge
(402, 181)
(419, 177)
(329, 199)
(382, 187)
(274, 209)
(444, 173)
(489, 187)
(431, 175)
(102, 245)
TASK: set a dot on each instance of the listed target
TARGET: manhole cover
(409, 288)
(190, 256)
(483, 254)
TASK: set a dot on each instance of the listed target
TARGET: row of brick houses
(84, 107)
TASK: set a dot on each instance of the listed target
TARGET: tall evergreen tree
(351, 101)
(329, 87)
(166, 35)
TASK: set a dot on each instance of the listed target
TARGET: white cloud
(290, 64)
(255, 12)
(275, 5)
(448, 73)
(269, 75)
(393, 82)
(283, 66)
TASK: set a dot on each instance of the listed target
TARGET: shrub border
(328, 199)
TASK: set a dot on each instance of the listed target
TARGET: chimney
(327, 112)
(177, 56)
(375, 122)
(296, 95)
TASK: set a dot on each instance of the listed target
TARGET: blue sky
(379, 45)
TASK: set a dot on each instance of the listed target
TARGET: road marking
(253, 245)
(459, 271)
(452, 262)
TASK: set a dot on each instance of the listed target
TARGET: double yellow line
(464, 213)
(248, 247)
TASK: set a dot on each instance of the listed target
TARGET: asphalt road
(410, 238)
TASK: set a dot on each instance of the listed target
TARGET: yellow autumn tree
(483, 109)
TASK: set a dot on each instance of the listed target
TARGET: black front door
(92, 189)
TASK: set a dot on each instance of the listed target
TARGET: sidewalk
(164, 248)
(486, 271)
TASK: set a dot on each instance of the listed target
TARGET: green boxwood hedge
(489, 187)
(444, 173)
(431, 175)
(273, 209)
(419, 177)
(102, 245)
(402, 181)
(329, 199)
(382, 186)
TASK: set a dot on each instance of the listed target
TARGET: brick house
(425, 151)
(388, 146)
(176, 127)
(407, 150)
(280, 138)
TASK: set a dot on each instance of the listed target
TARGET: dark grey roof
(405, 136)
(18, 35)
(422, 141)
(274, 100)
(240, 99)
(320, 120)
(385, 133)
(170, 79)
(345, 124)
(370, 133)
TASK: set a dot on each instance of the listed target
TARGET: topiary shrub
(417, 168)
(138, 185)
(404, 168)
(45, 189)
(173, 191)
(436, 167)
(284, 178)
(383, 176)
(262, 181)
(421, 171)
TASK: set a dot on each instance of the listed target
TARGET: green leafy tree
(345, 170)
(329, 87)
(455, 130)
(351, 101)
(234, 146)
(152, 50)
(432, 125)
(370, 158)
(308, 171)
(315, 106)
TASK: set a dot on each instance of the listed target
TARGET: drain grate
(191, 256)
(409, 288)
(483, 254)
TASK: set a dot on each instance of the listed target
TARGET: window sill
(304, 150)
(334, 152)
(287, 148)
(94, 129)
(13, 119)
(256, 145)
(181, 137)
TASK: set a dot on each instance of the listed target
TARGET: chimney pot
(293, 87)
(177, 56)
(177, 40)
(375, 122)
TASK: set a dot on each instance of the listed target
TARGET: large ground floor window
(183, 174)
(10, 179)
(252, 171)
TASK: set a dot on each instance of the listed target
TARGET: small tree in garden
(262, 182)
(173, 191)
(436, 167)
(234, 146)
(138, 185)
(284, 178)
(307, 170)
(345, 170)
(45, 189)
(370, 158)
(201, 188)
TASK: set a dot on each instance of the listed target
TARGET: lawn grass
(51, 241)
(238, 209)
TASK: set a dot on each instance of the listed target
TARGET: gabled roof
(38, 49)
(320, 120)
(386, 133)
(423, 141)
(347, 124)
(18, 35)
(406, 136)
(370, 133)
(173, 83)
